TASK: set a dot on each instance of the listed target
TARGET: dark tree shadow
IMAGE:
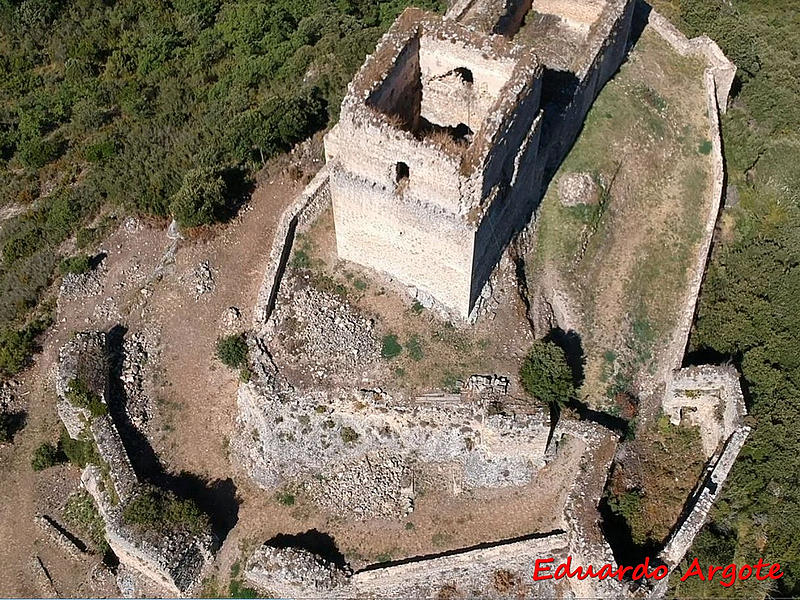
(11, 423)
(641, 15)
(95, 260)
(216, 498)
(238, 188)
(570, 342)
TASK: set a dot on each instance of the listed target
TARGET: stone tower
(449, 128)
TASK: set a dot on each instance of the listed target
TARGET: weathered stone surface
(578, 188)
(362, 447)
(174, 560)
(295, 573)
(439, 155)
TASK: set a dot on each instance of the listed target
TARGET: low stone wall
(587, 544)
(173, 560)
(683, 537)
(502, 569)
(305, 208)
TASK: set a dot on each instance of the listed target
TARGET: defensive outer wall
(718, 80)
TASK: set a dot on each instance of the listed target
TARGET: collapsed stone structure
(709, 397)
(446, 137)
(503, 568)
(448, 130)
(174, 560)
(357, 453)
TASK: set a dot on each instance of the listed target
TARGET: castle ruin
(450, 129)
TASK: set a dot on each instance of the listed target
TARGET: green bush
(17, 346)
(200, 199)
(348, 435)
(285, 497)
(80, 452)
(546, 375)
(232, 351)
(390, 347)
(79, 395)
(162, 511)
(76, 265)
(46, 456)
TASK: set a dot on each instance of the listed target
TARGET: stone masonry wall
(305, 206)
(448, 101)
(708, 396)
(173, 560)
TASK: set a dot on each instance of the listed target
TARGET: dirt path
(198, 395)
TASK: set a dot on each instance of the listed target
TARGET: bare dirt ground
(195, 393)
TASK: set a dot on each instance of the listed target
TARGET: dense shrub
(80, 396)
(348, 435)
(390, 346)
(232, 351)
(17, 346)
(201, 198)
(162, 511)
(546, 375)
(77, 265)
(46, 456)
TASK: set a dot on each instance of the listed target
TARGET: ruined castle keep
(450, 129)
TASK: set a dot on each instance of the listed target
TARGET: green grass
(638, 119)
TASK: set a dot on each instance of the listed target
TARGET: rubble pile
(294, 572)
(78, 286)
(323, 334)
(203, 279)
(139, 353)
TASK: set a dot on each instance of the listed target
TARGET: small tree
(46, 456)
(201, 198)
(232, 351)
(546, 375)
